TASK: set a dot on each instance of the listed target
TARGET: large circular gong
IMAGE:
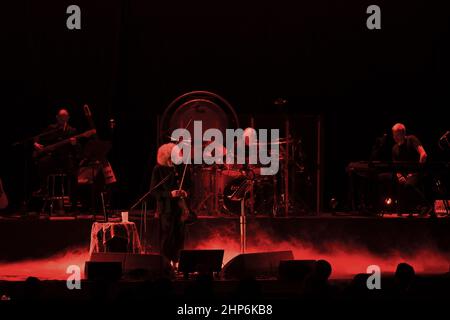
(210, 108)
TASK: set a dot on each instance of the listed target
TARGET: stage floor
(351, 243)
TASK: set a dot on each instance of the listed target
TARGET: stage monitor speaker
(102, 270)
(295, 270)
(142, 266)
(257, 265)
(201, 261)
(148, 266)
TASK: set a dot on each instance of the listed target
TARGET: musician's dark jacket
(408, 150)
(172, 228)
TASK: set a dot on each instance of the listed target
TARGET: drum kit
(213, 187)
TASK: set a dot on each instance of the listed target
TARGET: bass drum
(225, 177)
(263, 195)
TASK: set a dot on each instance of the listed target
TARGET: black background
(132, 58)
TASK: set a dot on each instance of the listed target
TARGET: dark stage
(287, 127)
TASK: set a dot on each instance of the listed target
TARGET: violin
(182, 201)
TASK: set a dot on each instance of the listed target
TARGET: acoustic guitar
(3, 197)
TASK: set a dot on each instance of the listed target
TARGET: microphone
(444, 136)
(88, 114)
(443, 141)
(87, 111)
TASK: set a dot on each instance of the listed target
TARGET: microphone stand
(143, 215)
(240, 195)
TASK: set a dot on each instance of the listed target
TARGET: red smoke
(346, 260)
(53, 268)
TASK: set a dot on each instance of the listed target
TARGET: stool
(57, 192)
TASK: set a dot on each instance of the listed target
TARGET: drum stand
(286, 170)
(210, 199)
(243, 226)
(285, 203)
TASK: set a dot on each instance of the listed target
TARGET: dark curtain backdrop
(132, 57)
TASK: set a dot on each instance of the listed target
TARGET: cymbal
(280, 141)
(179, 141)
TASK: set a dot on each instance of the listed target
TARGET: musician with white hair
(165, 183)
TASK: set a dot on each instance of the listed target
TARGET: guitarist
(165, 183)
(62, 160)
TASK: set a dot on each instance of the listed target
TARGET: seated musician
(165, 186)
(64, 160)
(408, 148)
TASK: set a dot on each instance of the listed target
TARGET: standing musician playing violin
(169, 183)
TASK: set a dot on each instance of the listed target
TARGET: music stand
(96, 150)
(94, 155)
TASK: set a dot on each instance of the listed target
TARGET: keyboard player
(411, 188)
